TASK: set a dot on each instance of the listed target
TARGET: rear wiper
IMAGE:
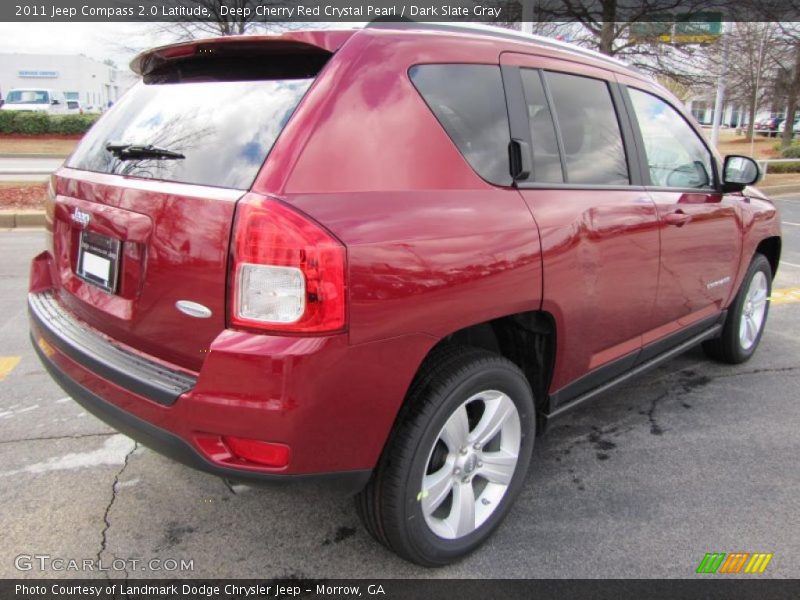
(135, 151)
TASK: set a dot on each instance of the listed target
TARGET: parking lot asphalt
(691, 458)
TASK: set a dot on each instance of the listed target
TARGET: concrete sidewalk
(28, 167)
(31, 155)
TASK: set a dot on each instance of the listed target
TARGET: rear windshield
(224, 129)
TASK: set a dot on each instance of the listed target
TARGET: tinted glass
(676, 157)
(224, 129)
(590, 133)
(546, 158)
(469, 102)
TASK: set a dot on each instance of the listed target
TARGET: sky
(118, 41)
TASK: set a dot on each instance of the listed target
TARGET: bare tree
(787, 61)
(614, 28)
(607, 23)
(238, 18)
(680, 90)
(751, 65)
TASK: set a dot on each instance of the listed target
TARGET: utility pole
(750, 125)
(720, 100)
(527, 16)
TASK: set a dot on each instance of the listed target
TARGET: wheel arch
(528, 339)
(771, 248)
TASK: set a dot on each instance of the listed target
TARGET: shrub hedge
(33, 123)
(792, 167)
(792, 151)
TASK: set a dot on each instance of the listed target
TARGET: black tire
(728, 347)
(390, 505)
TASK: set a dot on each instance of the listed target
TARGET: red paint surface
(431, 248)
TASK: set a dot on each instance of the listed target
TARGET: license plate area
(98, 260)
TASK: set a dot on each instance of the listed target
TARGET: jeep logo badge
(81, 218)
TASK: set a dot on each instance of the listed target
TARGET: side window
(590, 133)
(546, 157)
(469, 102)
(676, 157)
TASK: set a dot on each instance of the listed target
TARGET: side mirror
(738, 172)
(54, 101)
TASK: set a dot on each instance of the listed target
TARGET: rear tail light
(288, 273)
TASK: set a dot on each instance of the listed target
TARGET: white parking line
(790, 223)
(783, 262)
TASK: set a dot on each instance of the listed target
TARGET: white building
(734, 114)
(79, 77)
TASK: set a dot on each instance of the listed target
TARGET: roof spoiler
(310, 42)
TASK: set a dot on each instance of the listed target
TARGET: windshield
(27, 97)
(225, 129)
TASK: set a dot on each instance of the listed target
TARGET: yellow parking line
(785, 296)
(7, 364)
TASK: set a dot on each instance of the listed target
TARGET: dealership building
(81, 78)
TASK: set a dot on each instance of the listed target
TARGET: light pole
(751, 125)
(720, 99)
(527, 16)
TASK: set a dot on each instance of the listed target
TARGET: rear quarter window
(590, 133)
(546, 154)
(470, 104)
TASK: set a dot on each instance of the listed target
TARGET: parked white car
(35, 100)
(795, 128)
(74, 107)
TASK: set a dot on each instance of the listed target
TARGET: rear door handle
(678, 218)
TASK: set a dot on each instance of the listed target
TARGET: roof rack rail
(494, 31)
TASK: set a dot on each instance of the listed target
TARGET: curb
(11, 219)
(775, 190)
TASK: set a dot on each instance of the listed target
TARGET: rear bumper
(332, 403)
(172, 446)
(150, 379)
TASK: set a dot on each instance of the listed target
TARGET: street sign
(685, 28)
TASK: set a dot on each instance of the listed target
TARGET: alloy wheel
(471, 464)
(753, 310)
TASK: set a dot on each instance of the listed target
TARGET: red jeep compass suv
(388, 257)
